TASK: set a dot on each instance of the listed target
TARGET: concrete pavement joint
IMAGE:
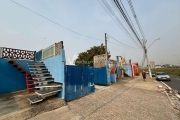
(111, 100)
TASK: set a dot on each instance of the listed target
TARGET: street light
(145, 51)
(153, 42)
(178, 59)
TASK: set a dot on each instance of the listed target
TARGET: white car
(162, 76)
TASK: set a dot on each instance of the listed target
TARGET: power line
(137, 21)
(122, 15)
(123, 43)
(123, 46)
(54, 21)
(127, 20)
(68, 28)
(115, 18)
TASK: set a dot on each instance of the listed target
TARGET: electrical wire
(108, 9)
(54, 21)
(123, 43)
(124, 46)
(127, 20)
(137, 21)
(68, 28)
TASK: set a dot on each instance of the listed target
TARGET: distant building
(166, 65)
(158, 66)
(152, 64)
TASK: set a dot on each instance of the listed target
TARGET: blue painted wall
(11, 79)
(79, 81)
(108, 73)
(38, 56)
(128, 70)
(73, 82)
(23, 64)
(56, 66)
(88, 79)
(102, 75)
(119, 71)
(113, 78)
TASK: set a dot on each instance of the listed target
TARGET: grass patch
(169, 71)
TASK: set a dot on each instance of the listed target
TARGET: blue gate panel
(78, 81)
(128, 70)
(113, 78)
(119, 71)
(88, 80)
(100, 76)
(73, 82)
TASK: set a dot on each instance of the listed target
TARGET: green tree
(86, 58)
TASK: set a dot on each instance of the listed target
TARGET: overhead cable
(127, 20)
(108, 9)
(123, 43)
(54, 21)
(136, 18)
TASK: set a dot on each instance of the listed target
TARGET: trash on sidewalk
(160, 90)
(160, 86)
(169, 91)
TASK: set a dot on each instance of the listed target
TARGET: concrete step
(34, 99)
(43, 77)
(37, 69)
(40, 74)
(47, 93)
(36, 65)
(33, 63)
(40, 71)
(44, 81)
(31, 67)
(51, 85)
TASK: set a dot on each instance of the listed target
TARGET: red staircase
(29, 81)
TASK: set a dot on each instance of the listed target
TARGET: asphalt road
(174, 83)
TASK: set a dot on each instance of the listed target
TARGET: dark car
(153, 74)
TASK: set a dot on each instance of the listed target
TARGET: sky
(22, 29)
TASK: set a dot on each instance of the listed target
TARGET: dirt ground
(16, 106)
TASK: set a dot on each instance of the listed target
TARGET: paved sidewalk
(125, 100)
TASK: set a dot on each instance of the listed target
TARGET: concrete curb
(176, 93)
(168, 95)
(166, 85)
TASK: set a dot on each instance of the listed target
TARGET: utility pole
(106, 46)
(145, 50)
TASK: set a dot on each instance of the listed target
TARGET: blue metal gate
(79, 81)
(100, 76)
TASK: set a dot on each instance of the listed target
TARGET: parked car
(162, 76)
(153, 74)
(147, 72)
